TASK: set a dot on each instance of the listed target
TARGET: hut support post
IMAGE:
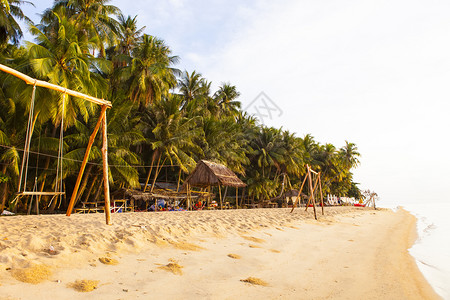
(237, 200)
(220, 197)
(188, 200)
(105, 168)
(85, 160)
(179, 179)
(225, 194)
(242, 197)
(208, 200)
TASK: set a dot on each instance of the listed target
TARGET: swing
(23, 176)
(313, 178)
(101, 122)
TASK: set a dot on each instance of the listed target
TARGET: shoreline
(349, 252)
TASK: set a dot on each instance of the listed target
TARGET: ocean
(432, 248)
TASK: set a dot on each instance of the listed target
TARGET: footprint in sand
(234, 256)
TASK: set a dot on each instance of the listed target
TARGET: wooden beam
(30, 80)
(220, 197)
(85, 160)
(105, 170)
(321, 195)
(312, 193)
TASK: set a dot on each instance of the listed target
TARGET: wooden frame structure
(101, 121)
(312, 190)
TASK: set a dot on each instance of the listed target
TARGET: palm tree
(196, 95)
(92, 19)
(9, 28)
(267, 150)
(128, 35)
(172, 136)
(225, 142)
(226, 97)
(64, 61)
(150, 75)
(349, 155)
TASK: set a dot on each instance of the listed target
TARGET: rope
(59, 168)
(90, 163)
(26, 153)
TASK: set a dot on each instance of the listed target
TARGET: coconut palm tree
(150, 74)
(225, 98)
(172, 136)
(9, 28)
(225, 142)
(349, 155)
(64, 61)
(128, 35)
(196, 95)
(93, 20)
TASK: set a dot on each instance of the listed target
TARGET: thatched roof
(208, 173)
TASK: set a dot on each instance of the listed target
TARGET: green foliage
(159, 115)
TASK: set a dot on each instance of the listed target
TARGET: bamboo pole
(85, 160)
(299, 194)
(312, 193)
(105, 169)
(321, 195)
(220, 197)
(242, 197)
(55, 87)
(209, 196)
(179, 179)
(188, 194)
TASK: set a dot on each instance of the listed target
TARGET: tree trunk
(97, 194)
(179, 179)
(84, 184)
(151, 169)
(90, 189)
(158, 169)
(4, 189)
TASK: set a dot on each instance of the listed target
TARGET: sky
(374, 73)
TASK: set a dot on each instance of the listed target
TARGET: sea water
(432, 248)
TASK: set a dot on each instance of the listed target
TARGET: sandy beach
(350, 253)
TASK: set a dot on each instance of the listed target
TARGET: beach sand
(349, 253)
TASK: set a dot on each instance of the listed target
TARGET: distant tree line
(160, 115)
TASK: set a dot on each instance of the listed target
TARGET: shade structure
(208, 173)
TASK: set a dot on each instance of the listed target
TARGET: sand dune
(349, 253)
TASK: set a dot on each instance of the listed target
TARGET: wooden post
(209, 196)
(237, 201)
(225, 194)
(321, 195)
(85, 160)
(220, 197)
(312, 193)
(105, 169)
(242, 197)
(188, 194)
(179, 179)
(299, 196)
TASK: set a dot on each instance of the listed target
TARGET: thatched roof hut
(208, 173)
